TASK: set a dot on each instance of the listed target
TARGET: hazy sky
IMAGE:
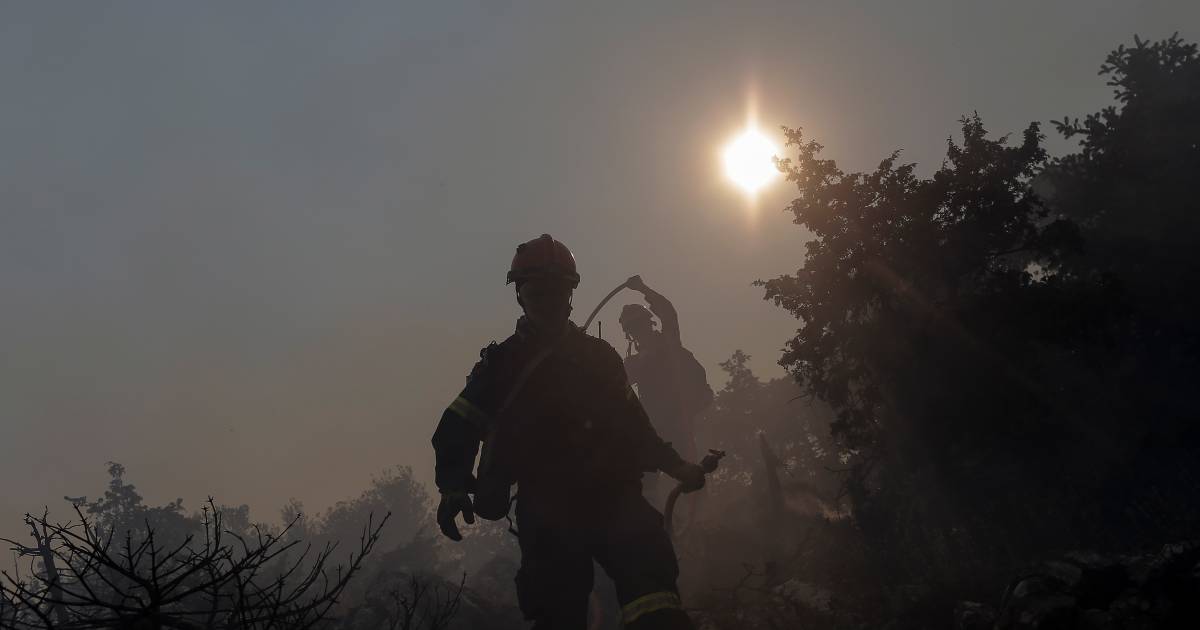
(252, 249)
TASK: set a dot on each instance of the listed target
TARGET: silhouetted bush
(1010, 344)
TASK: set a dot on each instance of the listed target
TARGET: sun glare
(748, 160)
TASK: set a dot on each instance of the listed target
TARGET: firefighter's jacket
(671, 383)
(574, 424)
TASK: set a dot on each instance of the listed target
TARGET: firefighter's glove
(690, 475)
(635, 283)
(451, 504)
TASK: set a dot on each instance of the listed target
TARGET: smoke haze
(252, 250)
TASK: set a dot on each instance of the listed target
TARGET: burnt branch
(81, 577)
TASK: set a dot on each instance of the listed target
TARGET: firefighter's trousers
(561, 534)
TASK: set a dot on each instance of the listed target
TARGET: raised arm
(660, 306)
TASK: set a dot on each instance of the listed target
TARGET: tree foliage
(760, 423)
(1008, 341)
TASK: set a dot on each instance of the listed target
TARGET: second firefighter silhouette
(671, 383)
(556, 415)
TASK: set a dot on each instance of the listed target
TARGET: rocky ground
(1098, 592)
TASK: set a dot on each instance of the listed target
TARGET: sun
(747, 160)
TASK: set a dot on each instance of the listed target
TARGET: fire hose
(710, 461)
(708, 465)
(599, 306)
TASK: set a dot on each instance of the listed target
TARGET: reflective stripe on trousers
(662, 600)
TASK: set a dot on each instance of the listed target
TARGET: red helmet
(543, 257)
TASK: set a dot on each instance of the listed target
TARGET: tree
(121, 510)
(91, 577)
(755, 421)
(908, 296)
(121, 563)
(976, 338)
(1131, 189)
(772, 525)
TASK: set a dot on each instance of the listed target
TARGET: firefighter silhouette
(556, 415)
(671, 383)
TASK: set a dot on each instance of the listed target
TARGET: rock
(1055, 611)
(1035, 586)
(1174, 560)
(1107, 592)
(1092, 560)
(1070, 575)
(1095, 619)
(1099, 586)
(974, 616)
